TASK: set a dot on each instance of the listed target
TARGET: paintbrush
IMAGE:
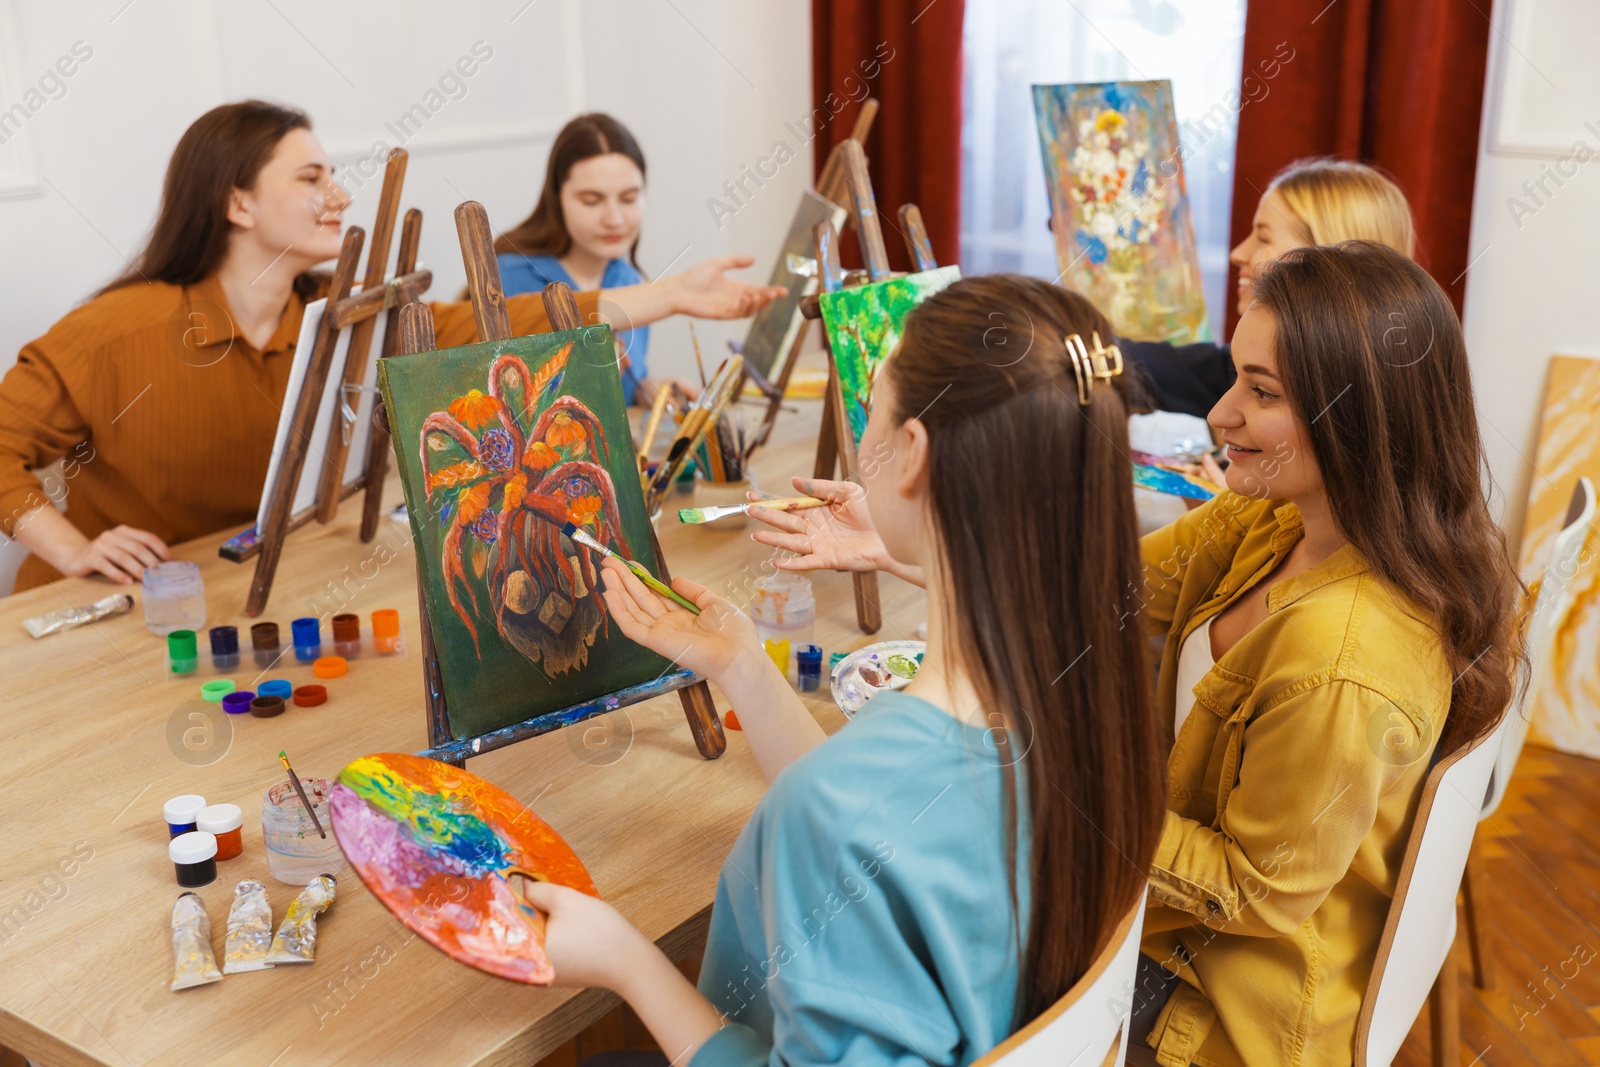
(583, 538)
(692, 516)
(294, 780)
(663, 395)
(705, 411)
(698, 362)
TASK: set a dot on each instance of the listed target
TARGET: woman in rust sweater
(162, 392)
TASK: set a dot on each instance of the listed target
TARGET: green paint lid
(182, 645)
(216, 689)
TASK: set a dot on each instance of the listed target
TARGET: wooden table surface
(94, 741)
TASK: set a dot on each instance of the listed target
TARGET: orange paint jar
(225, 822)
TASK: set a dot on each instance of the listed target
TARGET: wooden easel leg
(828, 436)
(1444, 1012)
(701, 712)
(1475, 896)
(869, 612)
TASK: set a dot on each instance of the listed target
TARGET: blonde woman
(1311, 202)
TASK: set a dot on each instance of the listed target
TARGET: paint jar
(174, 597)
(808, 668)
(264, 640)
(296, 853)
(386, 636)
(194, 858)
(181, 812)
(307, 639)
(347, 635)
(215, 689)
(224, 648)
(783, 608)
(684, 486)
(224, 822)
(281, 688)
(237, 703)
(183, 652)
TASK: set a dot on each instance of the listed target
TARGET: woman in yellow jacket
(1339, 617)
(162, 391)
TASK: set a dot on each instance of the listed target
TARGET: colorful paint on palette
(1172, 483)
(864, 324)
(436, 845)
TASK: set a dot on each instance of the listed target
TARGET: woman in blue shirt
(585, 232)
(946, 866)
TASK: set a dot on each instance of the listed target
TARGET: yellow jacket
(1291, 788)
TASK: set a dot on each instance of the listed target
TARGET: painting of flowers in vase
(1119, 207)
(499, 446)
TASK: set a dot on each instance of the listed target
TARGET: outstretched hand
(709, 643)
(839, 537)
(705, 290)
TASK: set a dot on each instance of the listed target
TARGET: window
(1011, 45)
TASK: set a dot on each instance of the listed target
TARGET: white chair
(1417, 950)
(1088, 1027)
(1550, 607)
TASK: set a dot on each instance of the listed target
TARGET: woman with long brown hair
(1339, 617)
(945, 867)
(584, 231)
(165, 386)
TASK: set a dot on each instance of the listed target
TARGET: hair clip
(1103, 362)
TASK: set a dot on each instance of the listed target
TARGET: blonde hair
(1336, 200)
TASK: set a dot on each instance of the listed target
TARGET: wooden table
(90, 750)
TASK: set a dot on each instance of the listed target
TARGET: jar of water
(298, 847)
(174, 597)
(783, 609)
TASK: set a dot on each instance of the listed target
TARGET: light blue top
(530, 274)
(864, 915)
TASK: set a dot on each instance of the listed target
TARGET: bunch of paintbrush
(701, 416)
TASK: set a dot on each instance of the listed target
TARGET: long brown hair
(1032, 500)
(544, 233)
(1374, 364)
(221, 151)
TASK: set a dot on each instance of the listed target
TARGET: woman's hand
(705, 291)
(589, 943)
(121, 553)
(839, 537)
(711, 643)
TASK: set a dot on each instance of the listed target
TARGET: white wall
(706, 86)
(1534, 283)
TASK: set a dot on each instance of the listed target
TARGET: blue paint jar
(307, 639)
(224, 648)
(181, 813)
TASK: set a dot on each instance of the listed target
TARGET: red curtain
(907, 54)
(1394, 83)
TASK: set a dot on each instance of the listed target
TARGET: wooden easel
(831, 185)
(836, 444)
(416, 335)
(343, 311)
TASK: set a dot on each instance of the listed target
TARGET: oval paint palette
(437, 845)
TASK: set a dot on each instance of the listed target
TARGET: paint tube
(192, 960)
(297, 936)
(67, 618)
(249, 929)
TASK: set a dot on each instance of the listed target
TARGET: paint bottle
(174, 597)
(264, 640)
(181, 813)
(307, 639)
(224, 822)
(183, 652)
(778, 652)
(347, 635)
(386, 636)
(237, 703)
(224, 648)
(194, 858)
(808, 668)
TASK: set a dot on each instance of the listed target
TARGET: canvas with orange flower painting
(1123, 227)
(499, 445)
